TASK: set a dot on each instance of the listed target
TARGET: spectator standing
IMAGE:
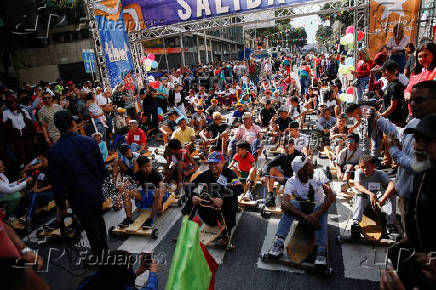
(77, 171)
(46, 116)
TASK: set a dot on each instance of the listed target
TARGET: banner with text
(392, 24)
(166, 12)
(115, 43)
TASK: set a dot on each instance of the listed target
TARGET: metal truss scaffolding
(426, 21)
(99, 51)
(360, 8)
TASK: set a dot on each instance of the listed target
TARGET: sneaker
(148, 223)
(126, 222)
(277, 248)
(321, 259)
(222, 241)
(270, 200)
(355, 231)
(392, 232)
(51, 226)
(247, 196)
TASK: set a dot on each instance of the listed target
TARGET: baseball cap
(240, 104)
(215, 157)
(424, 127)
(123, 148)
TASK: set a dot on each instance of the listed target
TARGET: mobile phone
(146, 260)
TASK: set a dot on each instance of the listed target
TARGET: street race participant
(222, 188)
(312, 197)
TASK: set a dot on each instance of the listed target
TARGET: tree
(324, 35)
(345, 16)
(282, 34)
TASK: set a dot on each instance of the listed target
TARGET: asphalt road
(355, 266)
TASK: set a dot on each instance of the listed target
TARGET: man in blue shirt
(77, 171)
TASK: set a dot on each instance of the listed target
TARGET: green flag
(189, 268)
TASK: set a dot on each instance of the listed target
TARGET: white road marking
(360, 261)
(269, 237)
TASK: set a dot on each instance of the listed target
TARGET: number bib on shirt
(374, 186)
(222, 180)
(136, 138)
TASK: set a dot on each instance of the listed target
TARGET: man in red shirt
(136, 137)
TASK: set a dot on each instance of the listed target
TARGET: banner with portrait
(392, 25)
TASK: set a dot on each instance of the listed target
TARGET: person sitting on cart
(324, 124)
(246, 168)
(279, 169)
(169, 127)
(136, 137)
(184, 165)
(304, 200)
(347, 161)
(280, 124)
(198, 118)
(375, 189)
(216, 133)
(249, 132)
(126, 162)
(152, 192)
(301, 141)
(220, 186)
(238, 114)
(266, 115)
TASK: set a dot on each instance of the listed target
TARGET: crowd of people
(60, 141)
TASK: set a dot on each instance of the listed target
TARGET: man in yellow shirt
(184, 133)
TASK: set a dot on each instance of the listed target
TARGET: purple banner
(166, 12)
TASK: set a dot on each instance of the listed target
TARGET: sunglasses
(420, 100)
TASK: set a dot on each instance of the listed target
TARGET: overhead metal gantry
(360, 8)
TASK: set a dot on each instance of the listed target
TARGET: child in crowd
(101, 144)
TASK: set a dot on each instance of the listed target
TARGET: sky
(310, 23)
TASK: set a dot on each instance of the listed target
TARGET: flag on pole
(192, 267)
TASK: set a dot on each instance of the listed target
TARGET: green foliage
(281, 33)
(345, 16)
(324, 35)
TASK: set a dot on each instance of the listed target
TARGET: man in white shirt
(10, 192)
(312, 196)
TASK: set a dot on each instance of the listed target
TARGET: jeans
(135, 147)
(118, 139)
(361, 202)
(320, 235)
(93, 223)
(304, 85)
(363, 82)
(35, 199)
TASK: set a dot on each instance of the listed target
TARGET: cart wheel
(179, 202)
(154, 234)
(38, 234)
(111, 231)
(263, 257)
(338, 240)
(265, 215)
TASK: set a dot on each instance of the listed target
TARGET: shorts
(147, 199)
(244, 174)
